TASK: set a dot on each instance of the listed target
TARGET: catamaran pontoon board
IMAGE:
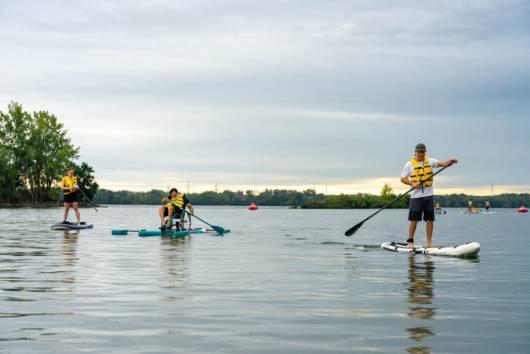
(164, 233)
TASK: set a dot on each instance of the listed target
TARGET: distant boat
(522, 209)
(253, 206)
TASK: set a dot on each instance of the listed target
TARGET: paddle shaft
(394, 200)
(216, 228)
(88, 199)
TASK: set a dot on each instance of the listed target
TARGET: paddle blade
(219, 229)
(354, 229)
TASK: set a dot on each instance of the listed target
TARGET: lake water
(284, 281)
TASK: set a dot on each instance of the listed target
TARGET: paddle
(89, 201)
(354, 229)
(219, 229)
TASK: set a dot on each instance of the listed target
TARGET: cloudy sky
(278, 94)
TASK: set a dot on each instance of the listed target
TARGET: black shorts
(176, 211)
(419, 207)
(70, 198)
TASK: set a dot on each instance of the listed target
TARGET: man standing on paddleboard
(418, 173)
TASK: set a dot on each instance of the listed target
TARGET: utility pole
(188, 187)
(216, 188)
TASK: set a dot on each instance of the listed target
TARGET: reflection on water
(174, 259)
(69, 252)
(420, 295)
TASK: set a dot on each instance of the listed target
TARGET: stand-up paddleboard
(470, 249)
(71, 226)
(488, 212)
(440, 212)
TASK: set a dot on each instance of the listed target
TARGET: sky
(332, 95)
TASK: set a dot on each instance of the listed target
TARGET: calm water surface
(284, 281)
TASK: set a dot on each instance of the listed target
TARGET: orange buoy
(253, 206)
(522, 209)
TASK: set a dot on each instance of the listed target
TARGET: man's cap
(421, 147)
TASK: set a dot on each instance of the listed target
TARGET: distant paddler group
(438, 210)
(471, 209)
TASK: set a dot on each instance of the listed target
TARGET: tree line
(307, 199)
(269, 197)
(35, 151)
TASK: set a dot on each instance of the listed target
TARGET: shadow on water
(420, 297)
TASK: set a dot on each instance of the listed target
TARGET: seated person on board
(175, 204)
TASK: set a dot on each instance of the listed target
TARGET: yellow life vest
(422, 172)
(178, 201)
(69, 183)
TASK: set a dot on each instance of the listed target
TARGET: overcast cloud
(278, 93)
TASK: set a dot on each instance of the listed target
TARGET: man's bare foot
(410, 245)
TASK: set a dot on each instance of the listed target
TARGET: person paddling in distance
(175, 204)
(418, 173)
(70, 187)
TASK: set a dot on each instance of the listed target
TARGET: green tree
(387, 190)
(86, 179)
(387, 194)
(50, 152)
(35, 150)
(14, 159)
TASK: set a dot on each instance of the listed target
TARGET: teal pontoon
(162, 233)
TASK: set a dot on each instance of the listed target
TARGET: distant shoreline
(286, 198)
(41, 206)
(308, 199)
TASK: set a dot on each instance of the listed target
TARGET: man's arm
(405, 174)
(445, 163)
(190, 207)
(407, 181)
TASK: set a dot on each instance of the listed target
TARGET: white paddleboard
(470, 249)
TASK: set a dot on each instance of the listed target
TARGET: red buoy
(522, 209)
(253, 206)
